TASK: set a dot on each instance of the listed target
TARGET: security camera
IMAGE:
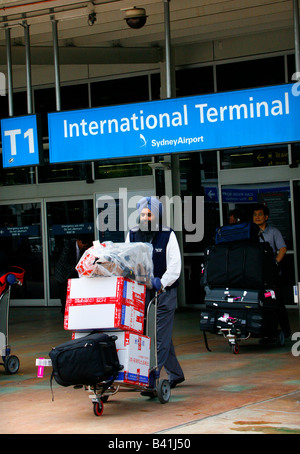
(92, 18)
(135, 17)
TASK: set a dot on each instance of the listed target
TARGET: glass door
(66, 221)
(21, 245)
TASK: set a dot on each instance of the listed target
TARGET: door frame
(38, 301)
(51, 301)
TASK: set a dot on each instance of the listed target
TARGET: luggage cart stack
(149, 383)
(98, 310)
(137, 353)
(14, 276)
(239, 277)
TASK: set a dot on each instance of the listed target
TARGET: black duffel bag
(240, 265)
(85, 361)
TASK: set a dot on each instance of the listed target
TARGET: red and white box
(134, 355)
(105, 303)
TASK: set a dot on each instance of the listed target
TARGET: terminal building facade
(217, 49)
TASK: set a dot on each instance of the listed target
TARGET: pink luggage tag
(270, 294)
(40, 372)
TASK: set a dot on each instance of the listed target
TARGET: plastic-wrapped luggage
(130, 260)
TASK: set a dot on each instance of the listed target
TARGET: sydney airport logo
(172, 142)
(143, 140)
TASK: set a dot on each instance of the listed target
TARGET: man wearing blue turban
(167, 266)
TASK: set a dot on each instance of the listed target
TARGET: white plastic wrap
(131, 260)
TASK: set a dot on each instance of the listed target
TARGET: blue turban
(153, 204)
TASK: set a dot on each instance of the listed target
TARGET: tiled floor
(255, 391)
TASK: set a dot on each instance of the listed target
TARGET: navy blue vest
(159, 243)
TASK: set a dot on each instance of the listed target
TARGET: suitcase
(238, 322)
(258, 323)
(237, 232)
(85, 361)
(236, 298)
(240, 265)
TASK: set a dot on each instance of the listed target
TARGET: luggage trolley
(15, 276)
(157, 387)
(235, 334)
(239, 314)
(239, 276)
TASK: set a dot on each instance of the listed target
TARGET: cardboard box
(134, 355)
(105, 303)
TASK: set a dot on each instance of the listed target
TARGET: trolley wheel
(235, 349)
(281, 338)
(98, 408)
(163, 391)
(11, 364)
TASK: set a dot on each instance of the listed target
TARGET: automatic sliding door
(65, 221)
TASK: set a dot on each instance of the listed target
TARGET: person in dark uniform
(167, 266)
(65, 268)
(274, 237)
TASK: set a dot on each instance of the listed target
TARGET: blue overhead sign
(21, 141)
(243, 195)
(222, 120)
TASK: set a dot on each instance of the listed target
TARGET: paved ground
(254, 392)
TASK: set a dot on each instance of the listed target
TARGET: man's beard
(147, 231)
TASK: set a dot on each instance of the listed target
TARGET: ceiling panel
(192, 21)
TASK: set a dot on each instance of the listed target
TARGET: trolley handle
(156, 283)
(12, 280)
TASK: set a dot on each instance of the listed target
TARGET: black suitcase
(235, 298)
(259, 323)
(85, 361)
(239, 265)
